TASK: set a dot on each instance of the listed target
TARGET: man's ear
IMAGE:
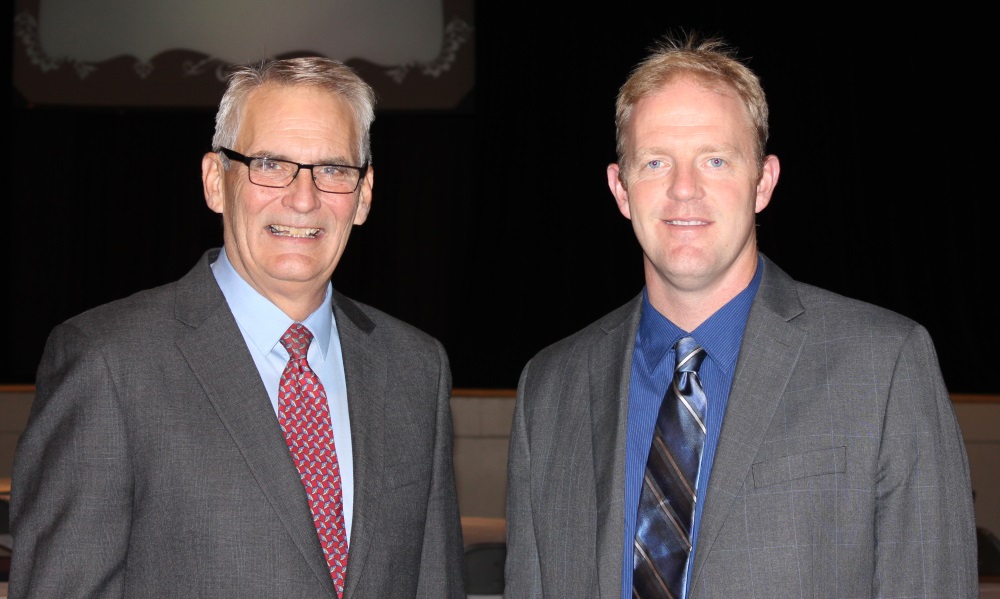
(213, 181)
(768, 181)
(365, 197)
(618, 190)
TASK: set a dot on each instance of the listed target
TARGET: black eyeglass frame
(234, 155)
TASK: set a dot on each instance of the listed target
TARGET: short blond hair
(708, 60)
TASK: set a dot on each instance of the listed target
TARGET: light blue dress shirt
(652, 371)
(262, 324)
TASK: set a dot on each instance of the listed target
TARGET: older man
(247, 431)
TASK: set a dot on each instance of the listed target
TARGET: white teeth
(286, 231)
(686, 222)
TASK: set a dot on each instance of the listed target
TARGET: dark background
(492, 226)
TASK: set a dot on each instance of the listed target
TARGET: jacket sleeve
(925, 527)
(441, 573)
(71, 492)
(522, 572)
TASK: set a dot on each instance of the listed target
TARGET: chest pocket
(802, 465)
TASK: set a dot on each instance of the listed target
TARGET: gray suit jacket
(840, 471)
(153, 465)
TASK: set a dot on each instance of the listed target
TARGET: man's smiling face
(286, 242)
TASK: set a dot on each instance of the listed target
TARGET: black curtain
(492, 226)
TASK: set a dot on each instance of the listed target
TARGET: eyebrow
(341, 160)
(703, 149)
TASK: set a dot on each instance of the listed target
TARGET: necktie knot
(689, 355)
(296, 340)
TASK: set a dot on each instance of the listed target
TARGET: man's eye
(332, 171)
(716, 162)
(654, 164)
(269, 165)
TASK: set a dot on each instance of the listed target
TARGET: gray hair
(324, 73)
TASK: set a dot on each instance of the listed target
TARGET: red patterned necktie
(304, 417)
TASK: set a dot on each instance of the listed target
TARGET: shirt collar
(263, 322)
(721, 334)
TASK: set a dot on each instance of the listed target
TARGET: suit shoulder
(578, 344)
(112, 336)
(127, 316)
(382, 324)
(810, 306)
(830, 304)
(840, 319)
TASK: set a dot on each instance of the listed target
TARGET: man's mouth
(686, 222)
(286, 231)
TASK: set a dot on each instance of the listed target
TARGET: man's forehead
(274, 97)
(688, 106)
(297, 114)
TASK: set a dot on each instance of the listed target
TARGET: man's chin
(300, 268)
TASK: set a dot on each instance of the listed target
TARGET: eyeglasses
(270, 172)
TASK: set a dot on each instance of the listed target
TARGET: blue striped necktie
(666, 507)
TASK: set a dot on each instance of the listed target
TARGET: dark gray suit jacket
(153, 465)
(840, 471)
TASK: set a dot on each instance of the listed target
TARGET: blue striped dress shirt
(652, 371)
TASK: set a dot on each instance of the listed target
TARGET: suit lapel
(610, 369)
(770, 349)
(366, 371)
(216, 352)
